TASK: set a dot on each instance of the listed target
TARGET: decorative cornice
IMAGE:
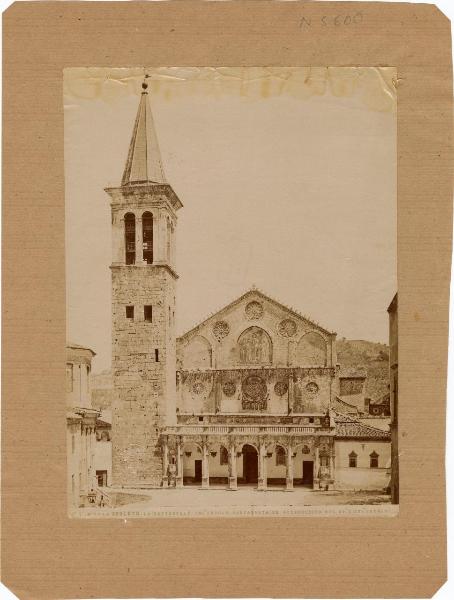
(146, 266)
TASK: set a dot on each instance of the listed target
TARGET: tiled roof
(341, 406)
(376, 422)
(346, 427)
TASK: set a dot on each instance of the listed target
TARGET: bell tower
(144, 221)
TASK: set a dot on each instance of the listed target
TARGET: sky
(288, 181)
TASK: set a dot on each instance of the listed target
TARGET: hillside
(371, 356)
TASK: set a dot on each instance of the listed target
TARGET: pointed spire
(143, 164)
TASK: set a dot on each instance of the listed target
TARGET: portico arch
(250, 464)
(192, 463)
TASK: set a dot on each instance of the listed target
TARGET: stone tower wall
(144, 383)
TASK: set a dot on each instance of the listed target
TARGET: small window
(224, 456)
(280, 456)
(311, 420)
(156, 355)
(148, 313)
(352, 457)
(374, 460)
(130, 312)
(73, 443)
(201, 419)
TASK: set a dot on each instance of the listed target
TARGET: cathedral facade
(252, 395)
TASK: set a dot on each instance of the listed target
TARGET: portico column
(93, 482)
(85, 461)
(165, 462)
(233, 483)
(289, 469)
(179, 475)
(262, 482)
(205, 466)
(316, 468)
(139, 241)
(331, 469)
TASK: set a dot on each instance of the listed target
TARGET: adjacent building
(80, 426)
(394, 399)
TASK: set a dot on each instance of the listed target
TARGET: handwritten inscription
(332, 21)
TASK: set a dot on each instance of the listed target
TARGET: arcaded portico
(261, 455)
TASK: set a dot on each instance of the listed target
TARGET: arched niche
(255, 347)
(281, 455)
(198, 354)
(312, 350)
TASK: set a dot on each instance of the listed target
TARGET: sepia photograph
(231, 291)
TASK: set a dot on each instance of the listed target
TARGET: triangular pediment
(246, 301)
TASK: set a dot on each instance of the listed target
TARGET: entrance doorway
(101, 477)
(197, 471)
(308, 472)
(250, 464)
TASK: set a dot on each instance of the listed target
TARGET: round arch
(255, 347)
(130, 237)
(147, 236)
(312, 350)
(251, 444)
(198, 354)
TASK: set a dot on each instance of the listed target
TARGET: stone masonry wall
(144, 383)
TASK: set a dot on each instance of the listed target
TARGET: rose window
(287, 328)
(198, 387)
(220, 330)
(280, 388)
(229, 388)
(254, 310)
